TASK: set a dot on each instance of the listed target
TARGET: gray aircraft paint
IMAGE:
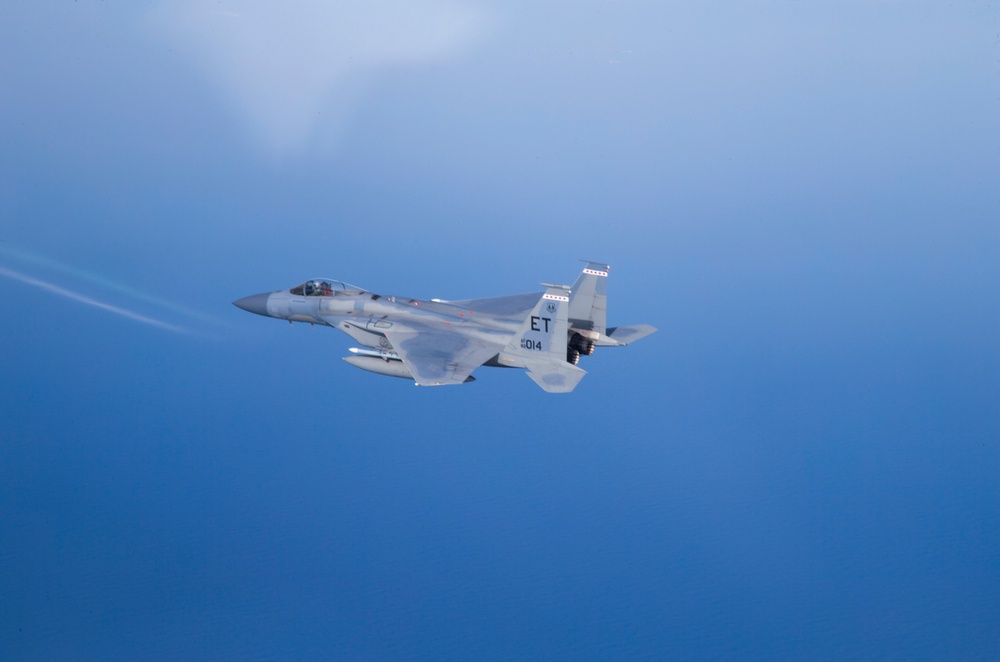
(436, 342)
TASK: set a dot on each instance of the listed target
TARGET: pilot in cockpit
(317, 288)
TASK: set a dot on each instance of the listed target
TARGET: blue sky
(803, 462)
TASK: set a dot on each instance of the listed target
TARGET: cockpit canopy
(323, 287)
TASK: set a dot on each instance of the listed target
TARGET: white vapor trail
(80, 274)
(75, 296)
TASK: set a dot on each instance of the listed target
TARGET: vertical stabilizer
(588, 304)
(544, 331)
(541, 343)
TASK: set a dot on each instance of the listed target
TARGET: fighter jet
(436, 342)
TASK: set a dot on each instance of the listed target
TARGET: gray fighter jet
(439, 342)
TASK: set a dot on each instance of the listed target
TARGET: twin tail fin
(541, 343)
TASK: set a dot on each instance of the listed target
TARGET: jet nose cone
(255, 303)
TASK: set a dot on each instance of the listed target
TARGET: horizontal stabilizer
(620, 336)
(555, 377)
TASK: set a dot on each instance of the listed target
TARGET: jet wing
(436, 356)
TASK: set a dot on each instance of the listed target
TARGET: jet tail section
(588, 312)
(588, 304)
(541, 343)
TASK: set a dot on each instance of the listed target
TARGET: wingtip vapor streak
(436, 342)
